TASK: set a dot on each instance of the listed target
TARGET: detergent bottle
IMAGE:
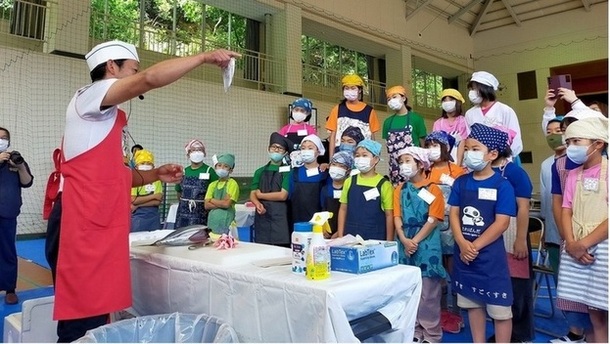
(318, 252)
(301, 237)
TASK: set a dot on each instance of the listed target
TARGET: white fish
(189, 235)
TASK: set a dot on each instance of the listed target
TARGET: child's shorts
(495, 312)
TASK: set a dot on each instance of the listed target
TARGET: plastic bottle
(318, 253)
(301, 237)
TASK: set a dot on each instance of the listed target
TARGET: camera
(16, 158)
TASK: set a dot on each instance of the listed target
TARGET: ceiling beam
(461, 12)
(510, 10)
(587, 5)
(482, 13)
(417, 9)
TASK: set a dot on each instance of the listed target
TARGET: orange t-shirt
(436, 172)
(331, 124)
(436, 208)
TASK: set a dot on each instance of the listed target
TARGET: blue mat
(33, 250)
(23, 295)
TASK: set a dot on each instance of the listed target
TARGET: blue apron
(414, 212)
(145, 219)
(190, 209)
(305, 194)
(332, 204)
(486, 279)
(365, 217)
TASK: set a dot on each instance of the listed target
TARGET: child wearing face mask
(339, 170)
(418, 209)
(443, 173)
(349, 140)
(366, 200)
(482, 203)
(352, 111)
(487, 110)
(299, 128)
(307, 181)
(402, 129)
(269, 194)
(221, 196)
(583, 267)
(453, 121)
(145, 200)
(191, 191)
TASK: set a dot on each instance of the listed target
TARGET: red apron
(93, 275)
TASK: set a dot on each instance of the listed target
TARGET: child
(487, 110)
(350, 138)
(482, 203)
(418, 208)
(583, 268)
(145, 200)
(453, 121)
(301, 114)
(402, 129)
(307, 181)
(270, 186)
(443, 173)
(339, 170)
(351, 112)
(221, 196)
(191, 191)
(366, 200)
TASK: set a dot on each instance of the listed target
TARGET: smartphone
(557, 81)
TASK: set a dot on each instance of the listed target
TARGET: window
(27, 17)
(426, 89)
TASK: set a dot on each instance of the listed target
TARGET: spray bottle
(318, 252)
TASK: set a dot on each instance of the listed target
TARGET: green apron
(219, 220)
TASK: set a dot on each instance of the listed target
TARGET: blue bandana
(354, 133)
(442, 137)
(492, 138)
(343, 158)
(372, 146)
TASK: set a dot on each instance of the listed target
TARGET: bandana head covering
(395, 90)
(354, 133)
(485, 78)
(511, 133)
(113, 50)
(143, 156)
(352, 80)
(303, 103)
(442, 137)
(453, 93)
(592, 128)
(228, 159)
(372, 146)
(194, 143)
(316, 140)
(420, 154)
(277, 138)
(492, 138)
(343, 158)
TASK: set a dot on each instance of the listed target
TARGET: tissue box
(361, 259)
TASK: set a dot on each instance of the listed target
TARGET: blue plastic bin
(245, 234)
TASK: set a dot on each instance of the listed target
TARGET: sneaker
(11, 299)
(566, 339)
(451, 322)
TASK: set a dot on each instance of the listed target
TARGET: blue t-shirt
(505, 194)
(556, 188)
(302, 177)
(518, 178)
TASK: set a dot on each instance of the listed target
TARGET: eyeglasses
(277, 148)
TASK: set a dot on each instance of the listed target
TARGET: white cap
(112, 50)
(316, 141)
(485, 78)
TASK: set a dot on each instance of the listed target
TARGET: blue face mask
(275, 156)
(222, 173)
(346, 147)
(578, 154)
(475, 160)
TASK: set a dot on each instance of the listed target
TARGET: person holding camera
(14, 175)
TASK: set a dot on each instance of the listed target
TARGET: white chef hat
(316, 141)
(112, 50)
(485, 78)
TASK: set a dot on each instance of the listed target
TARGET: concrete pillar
(67, 28)
(286, 49)
(398, 69)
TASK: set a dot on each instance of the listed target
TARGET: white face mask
(448, 106)
(144, 167)
(350, 95)
(299, 116)
(475, 97)
(435, 153)
(196, 156)
(308, 156)
(407, 170)
(4, 145)
(395, 104)
(336, 172)
(363, 164)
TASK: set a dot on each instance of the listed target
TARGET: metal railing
(24, 18)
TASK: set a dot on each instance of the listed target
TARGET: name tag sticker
(310, 172)
(488, 194)
(284, 168)
(590, 184)
(426, 196)
(371, 194)
(354, 172)
(302, 132)
(447, 179)
(205, 176)
(337, 194)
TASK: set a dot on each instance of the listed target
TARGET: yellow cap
(143, 156)
(395, 90)
(352, 80)
(451, 92)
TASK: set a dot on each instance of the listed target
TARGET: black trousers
(71, 330)
(52, 240)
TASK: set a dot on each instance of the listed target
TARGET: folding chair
(541, 267)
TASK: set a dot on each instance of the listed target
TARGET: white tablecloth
(271, 304)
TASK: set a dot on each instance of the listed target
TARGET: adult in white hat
(487, 110)
(93, 277)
